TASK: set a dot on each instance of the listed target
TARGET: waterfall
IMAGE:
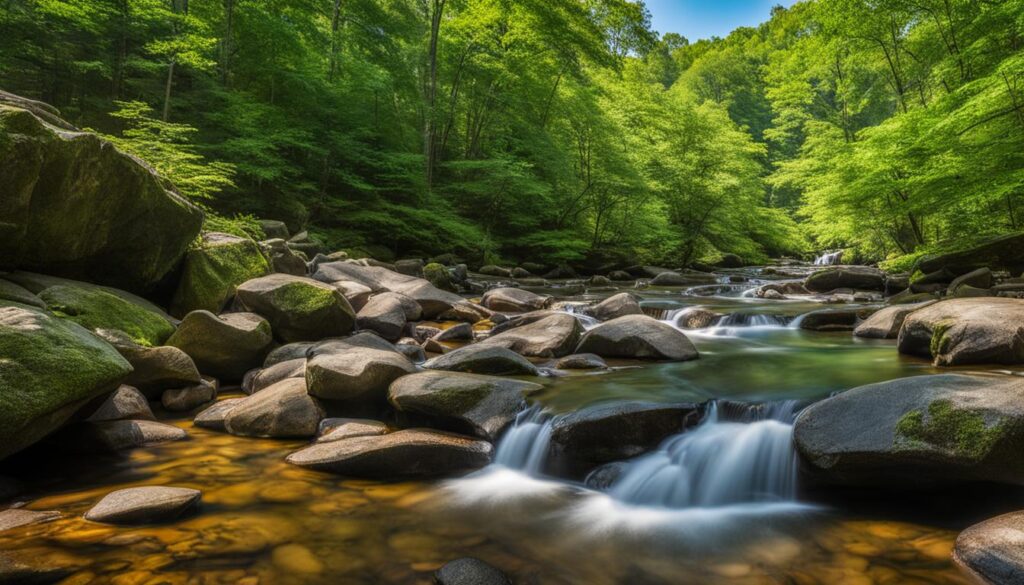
(525, 444)
(719, 463)
(829, 258)
(752, 320)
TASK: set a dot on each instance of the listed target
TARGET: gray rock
(144, 505)
(620, 276)
(412, 267)
(358, 368)
(581, 361)
(830, 320)
(284, 410)
(514, 300)
(288, 352)
(980, 278)
(411, 349)
(10, 291)
(189, 397)
(356, 294)
(550, 335)
(117, 435)
(466, 312)
(683, 279)
(637, 337)
(224, 346)
(383, 314)
(492, 270)
(257, 380)
(855, 277)
(275, 229)
(282, 258)
(465, 403)
(993, 551)
(17, 517)
(697, 318)
(966, 331)
(459, 332)
(213, 417)
(339, 429)
(299, 309)
(125, 403)
(154, 369)
(483, 359)
(616, 306)
(886, 323)
(431, 299)
(470, 571)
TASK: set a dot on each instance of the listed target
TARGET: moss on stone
(94, 309)
(214, 269)
(438, 276)
(303, 298)
(960, 430)
(939, 342)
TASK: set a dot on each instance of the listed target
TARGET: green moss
(303, 298)
(213, 270)
(95, 309)
(939, 342)
(962, 431)
(438, 276)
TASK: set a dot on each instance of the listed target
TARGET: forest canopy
(553, 130)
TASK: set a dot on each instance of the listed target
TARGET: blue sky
(703, 19)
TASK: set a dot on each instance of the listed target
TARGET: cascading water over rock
(829, 258)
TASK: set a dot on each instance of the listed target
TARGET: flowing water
(716, 504)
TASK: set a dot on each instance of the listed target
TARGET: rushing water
(829, 258)
(715, 505)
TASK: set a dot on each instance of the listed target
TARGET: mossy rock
(298, 309)
(437, 275)
(51, 368)
(95, 309)
(213, 270)
(10, 291)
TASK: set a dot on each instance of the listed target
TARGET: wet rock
(431, 299)
(855, 277)
(492, 270)
(581, 361)
(338, 429)
(637, 337)
(385, 315)
(299, 309)
(683, 279)
(830, 320)
(604, 476)
(125, 403)
(470, 571)
(213, 270)
(21, 571)
(404, 454)
(144, 505)
(460, 332)
(257, 380)
(599, 281)
(966, 331)
(16, 517)
(549, 335)
(611, 432)
(697, 318)
(483, 359)
(466, 312)
(895, 283)
(117, 435)
(282, 258)
(616, 306)
(295, 559)
(154, 369)
(520, 272)
(358, 368)
(993, 550)
(924, 431)
(411, 349)
(224, 346)
(465, 403)
(213, 417)
(886, 323)
(284, 410)
(189, 397)
(781, 289)
(514, 300)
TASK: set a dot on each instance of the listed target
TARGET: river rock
(282, 258)
(492, 270)
(213, 417)
(580, 361)
(125, 403)
(697, 318)
(76, 206)
(549, 335)
(117, 435)
(830, 320)
(411, 349)
(189, 397)
(410, 267)
(431, 299)
(924, 431)
(670, 278)
(466, 312)
(224, 346)
(284, 410)
(144, 505)
(97, 309)
(338, 429)
(154, 369)
(275, 229)
(637, 337)
(886, 323)
(781, 289)
(414, 453)
(483, 359)
(610, 432)
(289, 351)
(213, 270)
(299, 309)
(49, 369)
(993, 551)
(13, 292)
(257, 380)
(616, 306)
(620, 276)
(387, 314)
(459, 332)
(359, 368)
(980, 278)
(464, 403)
(966, 291)
(514, 300)
(966, 331)
(356, 294)
(470, 571)
(17, 517)
(855, 277)
(1006, 252)
(437, 275)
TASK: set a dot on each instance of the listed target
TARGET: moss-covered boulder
(73, 205)
(13, 292)
(213, 269)
(225, 346)
(299, 309)
(916, 432)
(50, 368)
(437, 275)
(95, 309)
(1003, 252)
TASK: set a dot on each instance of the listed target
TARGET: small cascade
(752, 320)
(719, 463)
(525, 445)
(576, 310)
(720, 290)
(829, 258)
(659, 313)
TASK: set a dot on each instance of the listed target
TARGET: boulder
(514, 300)
(549, 335)
(924, 431)
(76, 206)
(980, 278)
(411, 349)
(257, 380)
(781, 289)
(144, 505)
(492, 270)
(282, 258)
(620, 276)
(466, 312)
(213, 416)
(125, 403)
(275, 229)
(225, 346)
(470, 571)
(431, 299)
(410, 267)
(599, 281)
(154, 369)
(212, 271)
(886, 323)
(470, 404)
(615, 306)
(610, 432)
(95, 309)
(830, 320)
(299, 309)
(359, 368)
(637, 337)
(697, 318)
(966, 331)
(386, 314)
(289, 351)
(483, 359)
(117, 435)
(15, 293)
(284, 410)
(993, 551)
(339, 429)
(437, 275)
(414, 453)
(855, 277)
(966, 291)
(49, 369)
(189, 397)
(1004, 252)
(581, 361)
(356, 294)
(459, 332)
(670, 278)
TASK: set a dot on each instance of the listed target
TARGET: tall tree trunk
(227, 45)
(335, 25)
(167, 90)
(430, 91)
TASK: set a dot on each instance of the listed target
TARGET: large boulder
(143, 505)
(95, 309)
(886, 323)
(966, 331)
(154, 369)
(299, 309)
(49, 369)
(213, 269)
(855, 277)
(464, 403)
(609, 432)
(917, 431)
(616, 306)
(225, 346)
(433, 300)
(550, 335)
(1006, 252)
(214, 416)
(13, 292)
(993, 551)
(413, 453)
(483, 359)
(637, 337)
(359, 368)
(284, 410)
(514, 300)
(72, 204)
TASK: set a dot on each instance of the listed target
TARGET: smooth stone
(855, 277)
(257, 380)
(154, 369)
(338, 429)
(357, 294)
(980, 278)
(17, 517)
(514, 300)
(550, 335)
(360, 367)
(483, 359)
(697, 318)
(282, 258)
(581, 361)
(431, 299)
(470, 571)
(887, 322)
(411, 349)
(284, 410)
(125, 403)
(616, 306)
(673, 279)
(966, 331)
(993, 550)
(143, 505)
(289, 351)
(213, 417)
(637, 337)
(460, 332)
(298, 308)
(830, 320)
(118, 435)
(385, 315)
(295, 559)
(189, 397)
(466, 312)
(224, 346)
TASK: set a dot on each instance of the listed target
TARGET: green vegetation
(557, 130)
(959, 430)
(95, 309)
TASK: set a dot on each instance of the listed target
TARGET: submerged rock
(284, 410)
(143, 505)
(547, 335)
(470, 571)
(966, 331)
(17, 517)
(213, 270)
(581, 361)
(637, 337)
(224, 346)
(855, 277)
(993, 550)
(299, 309)
(483, 359)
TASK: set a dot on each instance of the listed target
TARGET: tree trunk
(430, 91)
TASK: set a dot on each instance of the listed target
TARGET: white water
(829, 258)
(525, 444)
